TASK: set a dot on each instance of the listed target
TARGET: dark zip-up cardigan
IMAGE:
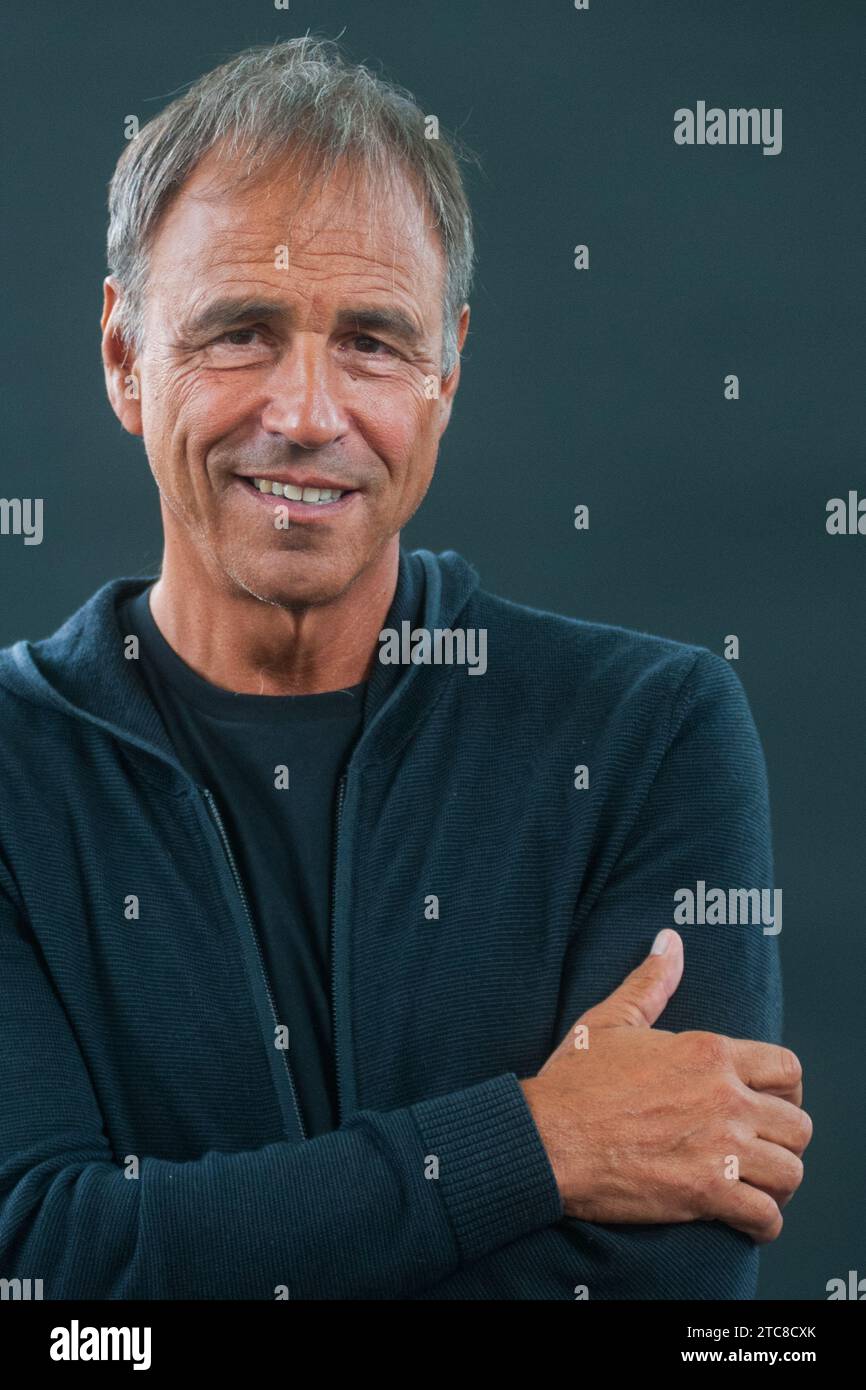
(150, 1144)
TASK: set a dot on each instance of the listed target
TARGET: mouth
(302, 502)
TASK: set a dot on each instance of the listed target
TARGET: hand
(642, 1125)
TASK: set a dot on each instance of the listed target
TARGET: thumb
(643, 994)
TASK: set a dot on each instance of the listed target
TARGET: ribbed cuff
(494, 1174)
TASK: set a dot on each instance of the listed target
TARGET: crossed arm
(713, 828)
(350, 1214)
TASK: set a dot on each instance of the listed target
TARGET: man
(289, 933)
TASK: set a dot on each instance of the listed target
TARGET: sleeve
(346, 1215)
(705, 817)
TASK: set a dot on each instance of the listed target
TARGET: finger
(772, 1168)
(781, 1122)
(643, 994)
(767, 1067)
(753, 1212)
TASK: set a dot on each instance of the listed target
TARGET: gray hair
(295, 96)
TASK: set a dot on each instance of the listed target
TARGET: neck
(241, 643)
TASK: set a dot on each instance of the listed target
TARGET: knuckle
(631, 1012)
(769, 1217)
(701, 1193)
(735, 1137)
(796, 1172)
(725, 1096)
(789, 1064)
(710, 1049)
(806, 1128)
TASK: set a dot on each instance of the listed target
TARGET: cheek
(164, 408)
(182, 418)
(401, 429)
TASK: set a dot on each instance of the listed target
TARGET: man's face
(262, 363)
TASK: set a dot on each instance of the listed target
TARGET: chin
(290, 581)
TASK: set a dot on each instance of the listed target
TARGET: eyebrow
(223, 314)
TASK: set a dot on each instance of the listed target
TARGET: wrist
(539, 1103)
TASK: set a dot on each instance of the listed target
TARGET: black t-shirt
(245, 748)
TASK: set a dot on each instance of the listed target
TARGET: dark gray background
(707, 516)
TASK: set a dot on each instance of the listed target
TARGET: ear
(121, 377)
(449, 383)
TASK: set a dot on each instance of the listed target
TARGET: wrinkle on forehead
(315, 220)
(311, 198)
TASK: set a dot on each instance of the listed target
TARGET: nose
(304, 405)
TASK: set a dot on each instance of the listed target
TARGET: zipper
(227, 849)
(341, 791)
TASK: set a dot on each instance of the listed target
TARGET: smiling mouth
(311, 496)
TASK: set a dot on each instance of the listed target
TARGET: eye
(365, 338)
(235, 333)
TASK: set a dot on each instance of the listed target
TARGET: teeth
(316, 495)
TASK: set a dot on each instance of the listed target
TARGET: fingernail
(660, 945)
